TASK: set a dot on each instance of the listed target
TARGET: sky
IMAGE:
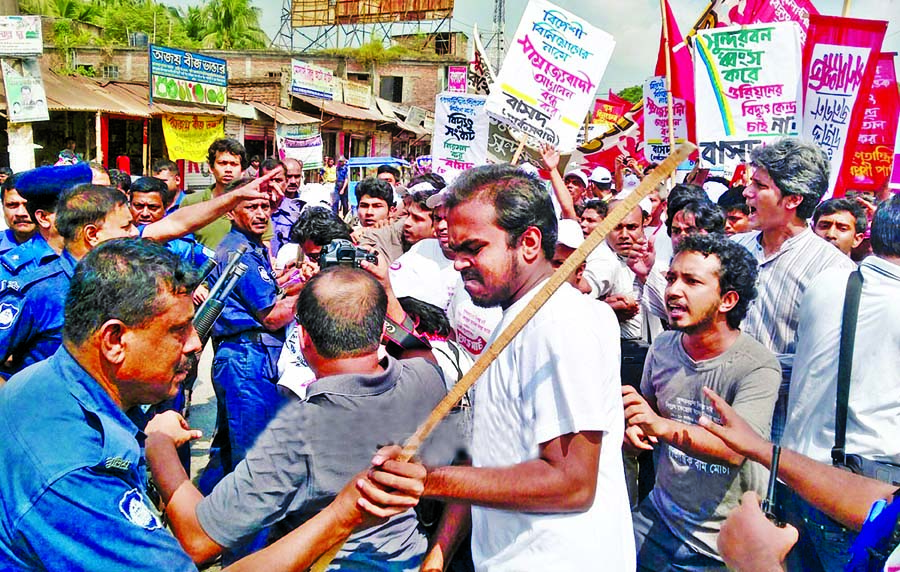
(635, 24)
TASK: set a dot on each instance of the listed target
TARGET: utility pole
(497, 31)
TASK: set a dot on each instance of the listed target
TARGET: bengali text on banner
(839, 61)
(747, 89)
(547, 83)
(460, 134)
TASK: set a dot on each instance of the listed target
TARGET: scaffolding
(308, 25)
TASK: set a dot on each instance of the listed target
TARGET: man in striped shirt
(789, 179)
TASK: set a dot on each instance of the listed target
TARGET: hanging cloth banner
(300, 142)
(873, 154)
(480, 76)
(747, 89)
(547, 83)
(839, 61)
(188, 137)
(625, 137)
(460, 134)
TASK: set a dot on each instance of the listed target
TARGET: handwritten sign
(607, 112)
(456, 79)
(550, 74)
(20, 36)
(656, 122)
(311, 80)
(480, 76)
(839, 63)
(189, 136)
(722, 13)
(502, 145)
(186, 76)
(460, 134)
(747, 88)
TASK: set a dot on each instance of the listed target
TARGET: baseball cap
(601, 175)
(437, 199)
(578, 174)
(569, 233)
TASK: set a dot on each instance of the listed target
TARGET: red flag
(839, 61)
(679, 58)
(681, 67)
(619, 100)
(872, 155)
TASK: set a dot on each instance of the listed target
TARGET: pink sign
(456, 79)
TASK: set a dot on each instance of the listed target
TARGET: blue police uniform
(283, 219)
(244, 370)
(7, 241)
(187, 248)
(74, 478)
(32, 304)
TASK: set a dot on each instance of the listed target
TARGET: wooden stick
(559, 277)
(519, 149)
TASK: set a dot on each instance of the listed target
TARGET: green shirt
(212, 234)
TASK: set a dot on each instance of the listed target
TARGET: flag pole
(846, 10)
(669, 113)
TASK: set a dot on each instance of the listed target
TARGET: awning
(345, 111)
(78, 93)
(283, 115)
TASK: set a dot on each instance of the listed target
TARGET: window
(109, 72)
(442, 44)
(358, 77)
(391, 88)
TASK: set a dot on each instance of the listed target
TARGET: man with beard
(699, 480)
(547, 489)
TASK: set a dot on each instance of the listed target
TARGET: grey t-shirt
(311, 450)
(693, 496)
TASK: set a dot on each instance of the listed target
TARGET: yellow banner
(189, 136)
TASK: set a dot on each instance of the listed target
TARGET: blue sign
(186, 76)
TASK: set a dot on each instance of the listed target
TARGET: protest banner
(460, 134)
(185, 76)
(456, 79)
(188, 137)
(479, 75)
(20, 36)
(723, 13)
(607, 112)
(747, 89)
(25, 97)
(839, 61)
(625, 137)
(311, 80)
(656, 131)
(503, 143)
(549, 76)
(873, 153)
(300, 142)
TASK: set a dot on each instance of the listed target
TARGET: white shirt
(873, 420)
(559, 375)
(783, 278)
(608, 274)
(424, 273)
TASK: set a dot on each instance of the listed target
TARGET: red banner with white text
(873, 154)
(839, 61)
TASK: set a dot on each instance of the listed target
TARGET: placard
(547, 83)
(656, 119)
(456, 79)
(460, 134)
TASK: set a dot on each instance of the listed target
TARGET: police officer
(74, 478)
(285, 209)
(248, 337)
(19, 225)
(32, 304)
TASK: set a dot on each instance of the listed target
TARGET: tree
(232, 25)
(633, 94)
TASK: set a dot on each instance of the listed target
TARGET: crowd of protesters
(629, 425)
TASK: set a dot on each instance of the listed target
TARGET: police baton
(557, 279)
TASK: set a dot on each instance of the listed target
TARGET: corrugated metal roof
(284, 115)
(77, 93)
(346, 111)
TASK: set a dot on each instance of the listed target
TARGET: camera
(342, 251)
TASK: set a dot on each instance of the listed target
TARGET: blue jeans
(658, 549)
(824, 544)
